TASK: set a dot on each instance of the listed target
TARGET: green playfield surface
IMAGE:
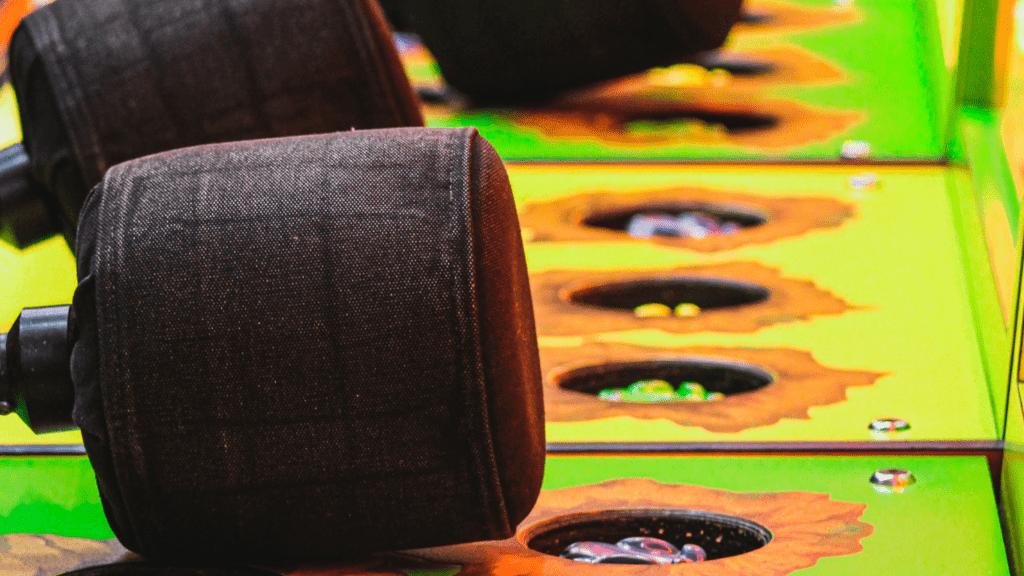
(43, 275)
(951, 500)
(946, 523)
(897, 262)
(1012, 480)
(890, 57)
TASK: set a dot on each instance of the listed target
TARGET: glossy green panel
(944, 524)
(896, 260)
(952, 502)
(50, 495)
(1013, 479)
(984, 193)
(892, 78)
(43, 275)
(978, 74)
(950, 14)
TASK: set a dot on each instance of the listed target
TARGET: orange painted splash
(11, 12)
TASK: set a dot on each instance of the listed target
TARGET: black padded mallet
(506, 52)
(296, 349)
(99, 83)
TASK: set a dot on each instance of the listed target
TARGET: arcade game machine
(776, 294)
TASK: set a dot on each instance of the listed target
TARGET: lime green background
(987, 149)
(898, 261)
(988, 198)
(917, 339)
(978, 76)
(906, 274)
(1012, 494)
(43, 275)
(950, 14)
(896, 74)
(52, 495)
(993, 313)
(946, 523)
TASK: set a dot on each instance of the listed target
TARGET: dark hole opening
(755, 17)
(715, 375)
(442, 95)
(719, 535)
(732, 121)
(640, 114)
(619, 219)
(735, 64)
(707, 293)
(154, 569)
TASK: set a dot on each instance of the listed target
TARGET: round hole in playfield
(735, 64)
(619, 219)
(719, 535)
(722, 376)
(658, 121)
(443, 95)
(155, 569)
(706, 293)
(754, 16)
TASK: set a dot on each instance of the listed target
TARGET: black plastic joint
(35, 372)
(24, 217)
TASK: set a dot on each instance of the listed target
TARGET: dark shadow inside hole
(707, 293)
(442, 95)
(641, 113)
(156, 569)
(735, 64)
(715, 375)
(732, 121)
(619, 219)
(719, 535)
(756, 17)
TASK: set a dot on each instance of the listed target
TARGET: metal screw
(882, 425)
(863, 181)
(856, 149)
(889, 480)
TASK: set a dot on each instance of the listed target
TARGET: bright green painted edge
(1011, 497)
(976, 74)
(51, 495)
(937, 76)
(952, 493)
(990, 175)
(950, 16)
(994, 337)
(1011, 505)
(983, 146)
(905, 133)
(952, 502)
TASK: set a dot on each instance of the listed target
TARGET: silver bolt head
(863, 181)
(884, 425)
(856, 149)
(892, 480)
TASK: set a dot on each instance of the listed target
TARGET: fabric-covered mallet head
(101, 82)
(299, 348)
(524, 51)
